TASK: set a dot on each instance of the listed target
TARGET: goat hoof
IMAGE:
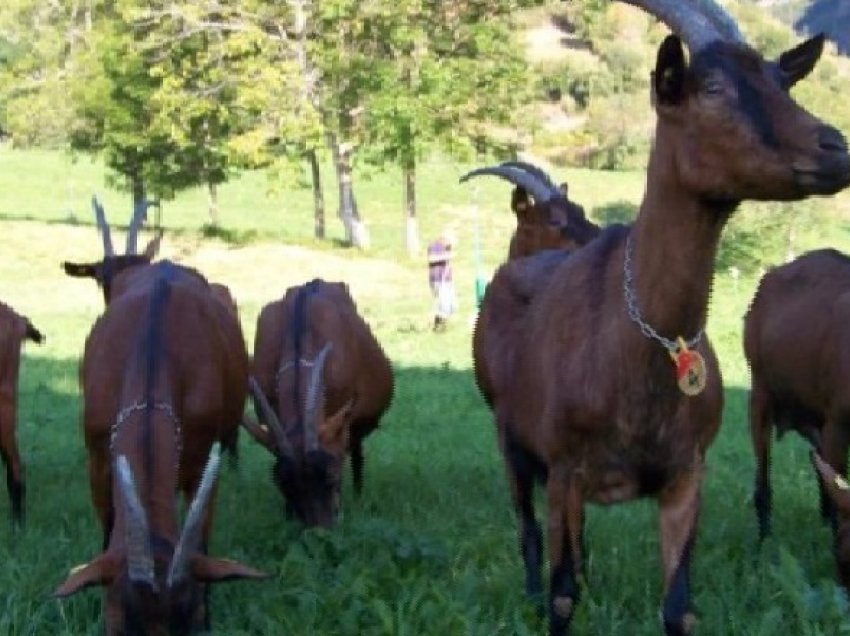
(563, 606)
(686, 626)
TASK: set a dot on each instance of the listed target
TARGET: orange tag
(690, 369)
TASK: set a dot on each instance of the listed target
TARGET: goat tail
(34, 334)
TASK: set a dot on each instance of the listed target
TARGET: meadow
(430, 547)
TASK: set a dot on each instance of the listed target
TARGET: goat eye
(712, 87)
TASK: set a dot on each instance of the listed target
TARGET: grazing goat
(796, 344)
(106, 270)
(165, 377)
(14, 329)
(594, 406)
(318, 363)
(546, 218)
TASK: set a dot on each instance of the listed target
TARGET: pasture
(431, 546)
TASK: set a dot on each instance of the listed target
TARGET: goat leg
(520, 469)
(564, 590)
(679, 505)
(760, 430)
(836, 439)
(357, 463)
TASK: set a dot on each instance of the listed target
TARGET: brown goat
(318, 363)
(165, 376)
(106, 270)
(546, 218)
(14, 329)
(799, 366)
(594, 406)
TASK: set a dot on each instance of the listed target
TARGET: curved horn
(696, 22)
(537, 188)
(103, 226)
(536, 171)
(723, 22)
(140, 566)
(315, 398)
(267, 415)
(190, 537)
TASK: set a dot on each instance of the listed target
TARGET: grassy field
(431, 546)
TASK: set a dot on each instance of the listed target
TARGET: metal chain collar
(289, 365)
(127, 411)
(634, 313)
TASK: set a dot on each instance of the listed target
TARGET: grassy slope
(430, 549)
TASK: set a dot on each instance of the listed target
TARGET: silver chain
(634, 313)
(127, 411)
(289, 365)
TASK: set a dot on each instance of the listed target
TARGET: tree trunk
(318, 197)
(140, 205)
(212, 203)
(411, 224)
(355, 231)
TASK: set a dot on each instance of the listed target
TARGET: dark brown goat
(546, 218)
(595, 406)
(318, 363)
(106, 270)
(798, 349)
(165, 376)
(14, 329)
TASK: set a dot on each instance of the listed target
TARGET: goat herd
(589, 349)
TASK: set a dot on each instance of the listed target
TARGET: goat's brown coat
(202, 377)
(798, 348)
(593, 405)
(357, 379)
(14, 330)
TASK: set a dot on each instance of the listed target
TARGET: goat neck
(674, 243)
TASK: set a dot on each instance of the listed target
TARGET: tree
(450, 74)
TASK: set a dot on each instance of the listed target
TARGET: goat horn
(538, 189)
(140, 210)
(697, 23)
(315, 398)
(140, 566)
(723, 22)
(103, 226)
(190, 537)
(267, 415)
(536, 171)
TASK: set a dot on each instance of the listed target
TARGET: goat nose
(830, 140)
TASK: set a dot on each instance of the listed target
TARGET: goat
(165, 378)
(546, 218)
(594, 406)
(318, 363)
(14, 329)
(106, 270)
(798, 362)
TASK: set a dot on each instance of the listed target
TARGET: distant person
(440, 277)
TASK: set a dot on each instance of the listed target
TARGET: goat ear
(835, 485)
(668, 79)
(80, 270)
(520, 202)
(259, 432)
(798, 62)
(100, 571)
(336, 426)
(207, 569)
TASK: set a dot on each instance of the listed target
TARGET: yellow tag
(841, 483)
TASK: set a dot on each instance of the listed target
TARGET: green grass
(431, 546)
